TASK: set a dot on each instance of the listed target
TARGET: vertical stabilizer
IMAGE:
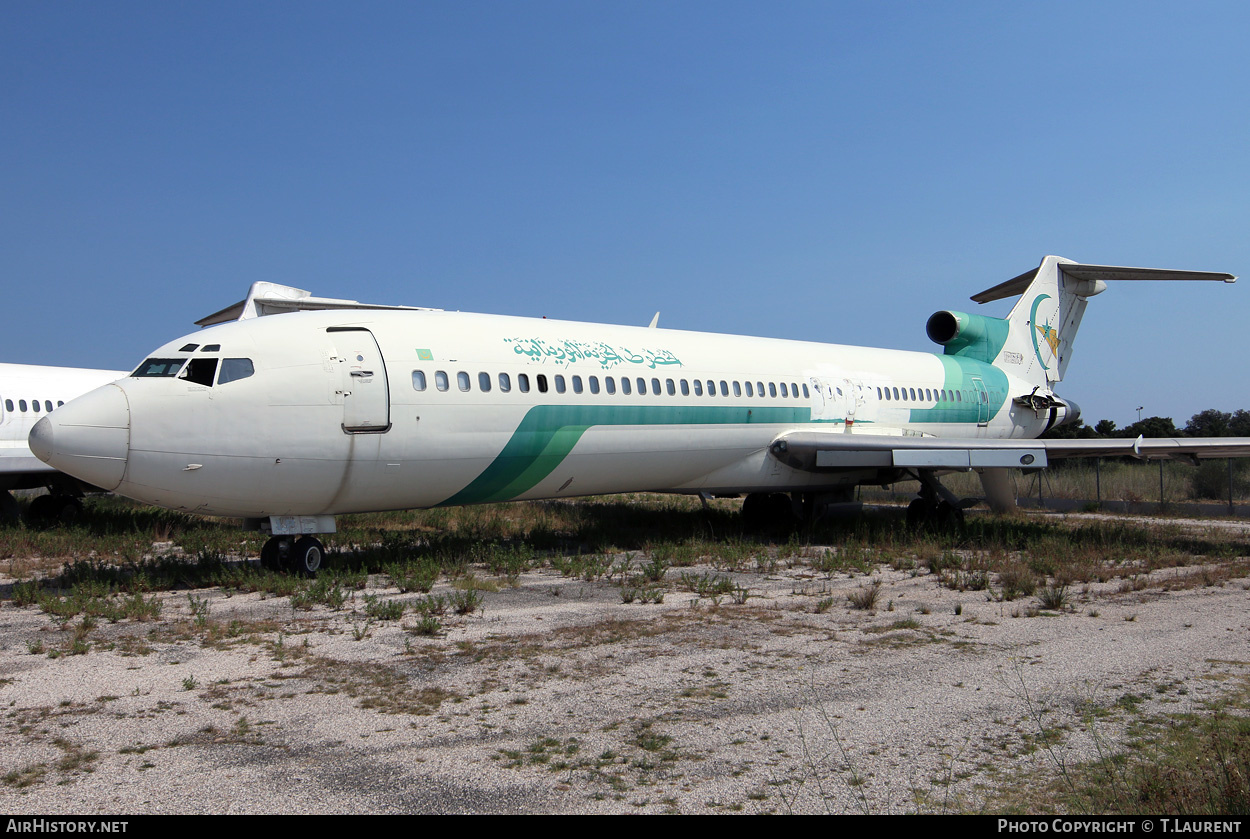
(1044, 321)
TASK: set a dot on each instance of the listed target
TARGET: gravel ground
(558, 697)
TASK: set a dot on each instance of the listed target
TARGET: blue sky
(824, 171)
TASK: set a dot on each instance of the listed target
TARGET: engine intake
(971, 336)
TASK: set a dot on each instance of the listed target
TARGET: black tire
(918, 513)
(271, 554)
(949, 518)
(307, 555)
(42, 510)
(755, 511)
(68, 509)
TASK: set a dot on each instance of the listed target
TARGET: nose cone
(88, 438)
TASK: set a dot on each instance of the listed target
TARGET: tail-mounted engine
(969, 336)
(1061, 411)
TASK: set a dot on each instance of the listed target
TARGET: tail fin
(1043, 323)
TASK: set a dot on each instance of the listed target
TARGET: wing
(819, 451)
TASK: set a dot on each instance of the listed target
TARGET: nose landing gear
(285, 553)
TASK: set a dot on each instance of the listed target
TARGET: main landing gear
(779, 512)
(286, 553)
(54, 509)
(937, 507)
(765, 510)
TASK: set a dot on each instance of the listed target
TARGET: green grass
(1194, 764)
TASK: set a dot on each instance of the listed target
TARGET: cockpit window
(188, 348)
(233, 369)
(211, 348)
(200, 371)
(154, 368)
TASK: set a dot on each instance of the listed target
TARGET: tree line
(1208, 423)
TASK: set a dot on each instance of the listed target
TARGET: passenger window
(807, 393)
(772, 389)
(505, 382)
(440, 380)
(698, 387)
(233, 369)
(462, 381)
(200, 371)
(913, 394)
(483, 382)
(59, 404)
(610, 383)
(642, 385)
(625, 385)
(737, 389)
(559, 384)
(685, 388)
(21, 403)
(655, 386)
(541, 380)
(523, 382)
(711, 388)
(594, 384)
(34, 405)
(8, 405)
(785, 392)
(577, 384)
(750, 391)
(418, 378)
(959, 396)
(759, 388)
(724, 388)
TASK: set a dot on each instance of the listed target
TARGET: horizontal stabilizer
(1094, 273)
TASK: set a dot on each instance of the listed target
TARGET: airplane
(306, 408)
(27, 393)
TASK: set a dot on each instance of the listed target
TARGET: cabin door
(983, 402)
(362, 381)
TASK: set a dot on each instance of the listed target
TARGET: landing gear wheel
(948, 517)
(54, 509)
(70, 510)
(917, 513)
(754, 511)
(271, 554)
(306, 556)
(768, 511)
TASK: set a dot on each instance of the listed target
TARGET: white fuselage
(27, 394)
(345, 411)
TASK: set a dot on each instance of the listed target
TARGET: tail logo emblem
(1049, 334)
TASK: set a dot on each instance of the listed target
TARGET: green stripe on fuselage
(958, 375)
(549, 432)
